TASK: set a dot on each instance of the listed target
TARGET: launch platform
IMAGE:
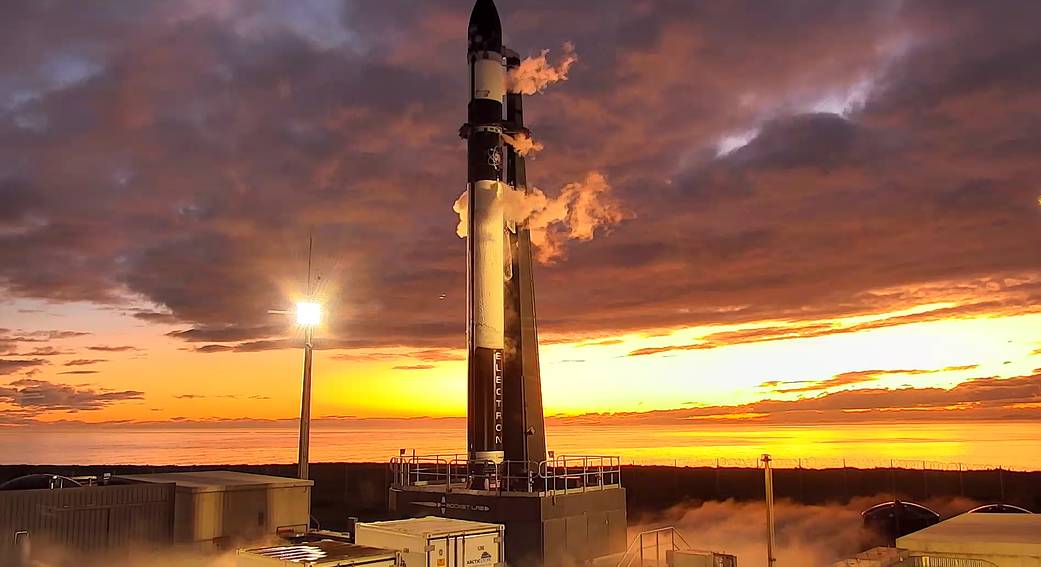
(561, 511)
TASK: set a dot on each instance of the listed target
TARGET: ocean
(1011, 445)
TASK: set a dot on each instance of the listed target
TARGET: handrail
(629, 556)
(561, 473)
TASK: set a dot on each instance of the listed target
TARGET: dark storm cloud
(47, 351)
(850, 378)
(202, 396)
(181, 152)
(155, 317)
(10, 366)
(40, 396)
(84, 361)
(20, 336)
(225, 334)
(10, 348)
(981, 398)
(1009, 304)
(426, 355)
(115, 348)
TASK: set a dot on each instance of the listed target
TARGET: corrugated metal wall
(91, 518)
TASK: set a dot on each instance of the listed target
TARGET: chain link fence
(821, 463)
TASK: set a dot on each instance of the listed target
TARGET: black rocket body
(504, 395)
(485, 332)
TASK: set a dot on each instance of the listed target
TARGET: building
(1004, 540)
(968, 540)
(218, 508)
(76, 517)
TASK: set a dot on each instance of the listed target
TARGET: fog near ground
(807, 535)
(56, 556)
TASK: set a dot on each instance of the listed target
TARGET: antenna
(310, 248)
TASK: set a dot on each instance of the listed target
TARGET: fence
(558, 474)
(821, 463)
(935, 561)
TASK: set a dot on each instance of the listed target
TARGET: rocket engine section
(504, 404)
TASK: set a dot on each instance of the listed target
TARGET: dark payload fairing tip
(485, 29)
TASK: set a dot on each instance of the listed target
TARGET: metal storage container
(324, 553)
(218, 507)
(692, 558)
(437, 542)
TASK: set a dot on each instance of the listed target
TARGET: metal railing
(823, 463)
(935, 561)
(656, 548)
(559, 474)
(639, 548)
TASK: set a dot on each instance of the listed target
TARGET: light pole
(769, 478)
(308, 315)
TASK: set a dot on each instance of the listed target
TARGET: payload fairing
(504, 410)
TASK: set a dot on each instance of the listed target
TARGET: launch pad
(561, 511)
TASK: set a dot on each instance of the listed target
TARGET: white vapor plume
(57, 556)
(523, 144)
(535, 74)
(576, 213)
(806, 535)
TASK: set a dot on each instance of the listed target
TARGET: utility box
(323, 553)
(218, 508)
(875, 557)
(690, 558)
(437, 542)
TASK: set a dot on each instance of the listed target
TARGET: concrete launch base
(551, 530)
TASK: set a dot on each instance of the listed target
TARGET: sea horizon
(946, 445)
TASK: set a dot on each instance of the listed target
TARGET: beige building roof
(430, 526)
(218, 481)
(976, 535)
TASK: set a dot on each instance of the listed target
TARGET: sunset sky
(826, 211)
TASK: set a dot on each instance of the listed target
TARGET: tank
(40, 481)
(999, 509)
(890, 520)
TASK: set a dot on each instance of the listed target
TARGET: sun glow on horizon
(741, 364)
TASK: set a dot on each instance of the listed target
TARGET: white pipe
(769, 478)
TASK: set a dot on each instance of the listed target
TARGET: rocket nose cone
(485, 30)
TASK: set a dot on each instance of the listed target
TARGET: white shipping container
(437, 542)
(324, 553)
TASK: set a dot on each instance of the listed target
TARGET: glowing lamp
(308, 314)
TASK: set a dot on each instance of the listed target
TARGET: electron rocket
(504, 391)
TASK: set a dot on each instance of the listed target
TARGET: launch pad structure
(556, 509)
(562, 511)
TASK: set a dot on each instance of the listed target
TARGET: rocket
(504, 395)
